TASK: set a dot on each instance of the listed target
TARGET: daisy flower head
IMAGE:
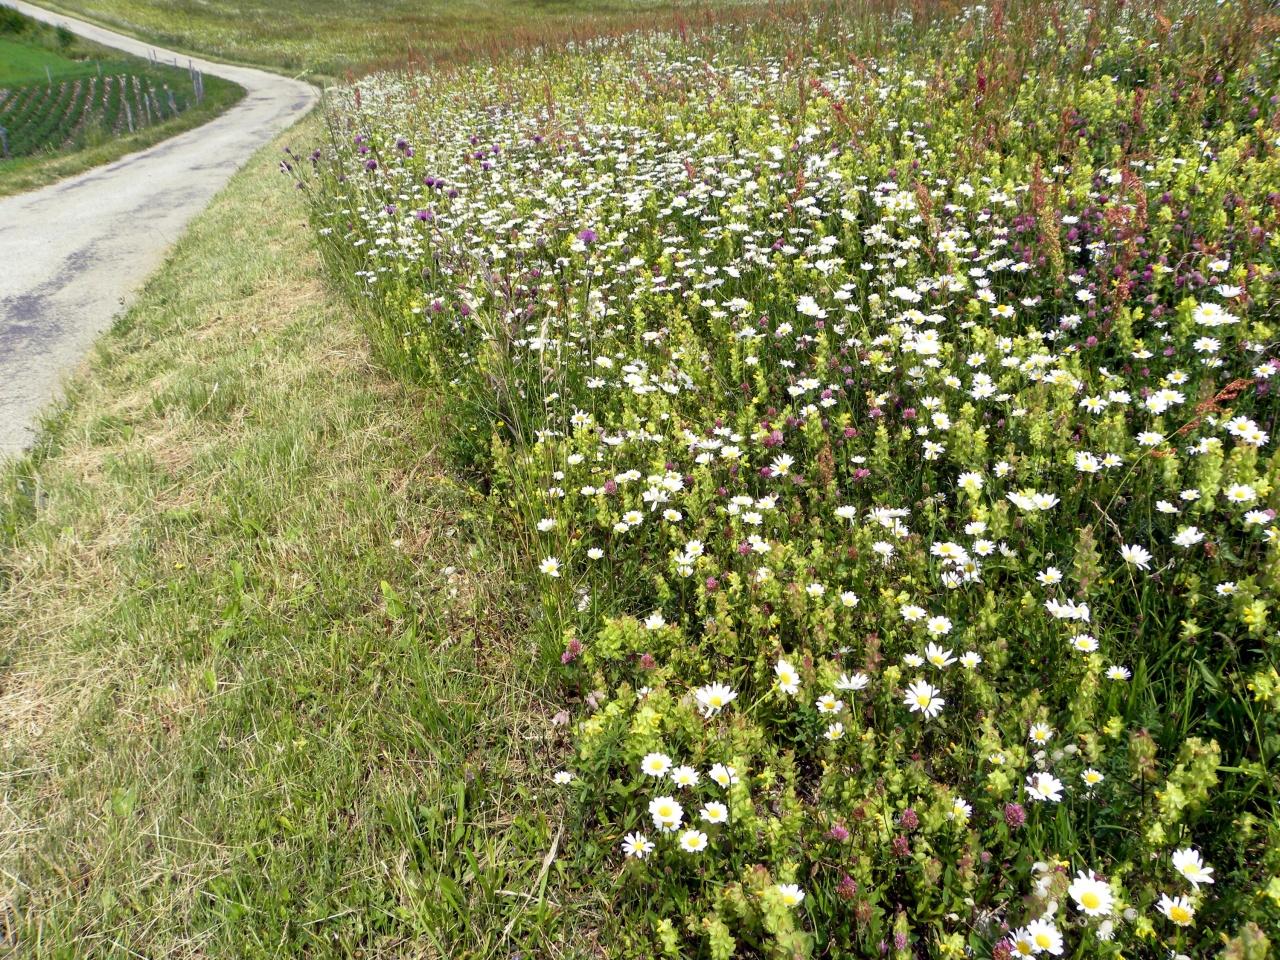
(913, 660)
(1049, 576)
(834, 732)
(666, 813)
(655, 765)
(1044, 787)
(562, 777)
(1045, 936)
(1241, 493)
(1085, 643)
(724, 774)
(1093, 897)
(911, 613)
(1116, 672)
(1020, 942)
(849, 599)
(550, 566)
(856, 682)
(714, 812)
(1177, 909)
(1041, 733)
(923, 698)
(637, 845)
(961, 810)
(693, 841)
(1045, 501)
(827, 703)
(1092, 777)
(685, 777)
(1191, 865)
(790, 894)
(788, 679)
(1136, 555)
(714, 697)
(1188, 537)
(938, 657)
(938, 626)
(970, 660)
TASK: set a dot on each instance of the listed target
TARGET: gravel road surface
(73, 253)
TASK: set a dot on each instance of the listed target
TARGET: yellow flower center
(1024, 948)
(1180, 914)
(922, 700)
(1091, 900)
(716, 700)
(1042, 941)
(789, 899)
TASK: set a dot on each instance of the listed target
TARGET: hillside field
(331, 37)
(67, 104)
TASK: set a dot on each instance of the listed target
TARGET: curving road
(72, 254)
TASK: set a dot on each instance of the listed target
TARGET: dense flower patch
(891, 406)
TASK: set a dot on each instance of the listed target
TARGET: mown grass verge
(262, 683)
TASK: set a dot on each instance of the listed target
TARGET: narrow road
(73, 254)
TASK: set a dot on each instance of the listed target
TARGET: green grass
(264, 685)
(23, 63)
(78, 121)
(330, 36)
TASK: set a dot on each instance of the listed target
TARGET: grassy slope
(220, 734)
(329, 36)
(30, 173)
(22, 62)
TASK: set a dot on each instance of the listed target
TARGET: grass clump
(886, 399)
(249, 635)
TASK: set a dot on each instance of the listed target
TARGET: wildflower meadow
(886, 397)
